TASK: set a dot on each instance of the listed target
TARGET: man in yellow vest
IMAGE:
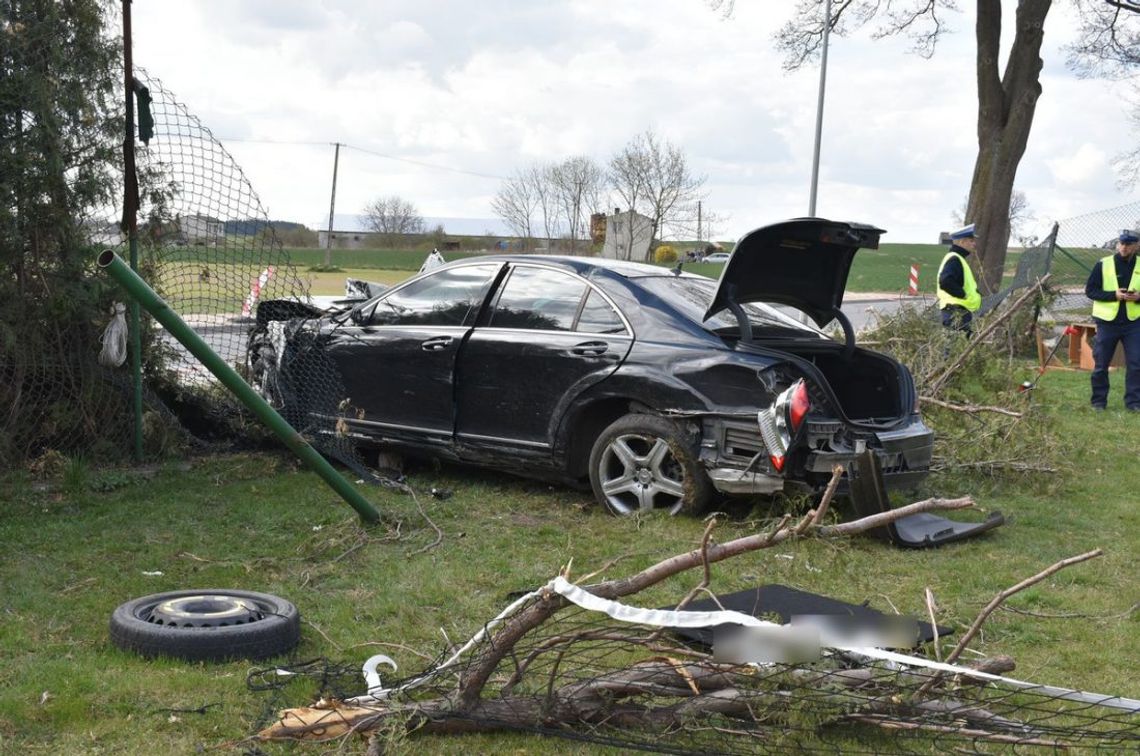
(1114, 288)
(958, 296)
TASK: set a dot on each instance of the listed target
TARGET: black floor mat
(918, 531)
(779, 603)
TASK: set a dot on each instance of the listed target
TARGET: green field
(875, 270)
(78, 544)
(883, 270)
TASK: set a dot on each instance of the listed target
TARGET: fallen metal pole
(176, 326)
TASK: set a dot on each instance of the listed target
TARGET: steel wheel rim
(638, 473)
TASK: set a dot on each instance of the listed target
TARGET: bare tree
(1128, 162)
(1108, 44)
(515, 203)
(1019, 215)
(652, 177)
(546, 198)
(392, 217)
(577, 183)
(699, 224)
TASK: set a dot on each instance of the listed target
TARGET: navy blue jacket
(952, 280)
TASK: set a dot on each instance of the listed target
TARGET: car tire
(207, 625)
(646, 462)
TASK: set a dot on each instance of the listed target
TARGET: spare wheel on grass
(210, 624)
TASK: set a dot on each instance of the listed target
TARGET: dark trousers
(1108, 335)
(958, 318)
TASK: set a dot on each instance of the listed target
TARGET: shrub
(665, 254)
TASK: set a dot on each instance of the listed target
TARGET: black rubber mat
(779, 603)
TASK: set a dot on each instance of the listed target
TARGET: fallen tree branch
(438, 532)
(986, 464)
(828, 494)
(533, 616)
(935, 385)
(1001, 597)
(989, 609)
(466, 709)
(971, 408)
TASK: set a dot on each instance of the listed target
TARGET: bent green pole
(186, 336)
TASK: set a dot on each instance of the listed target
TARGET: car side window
(538, 299)
(599, 316)
(446, 298)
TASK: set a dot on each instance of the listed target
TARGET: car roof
(582, 265)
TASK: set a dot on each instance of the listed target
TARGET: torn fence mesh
(564, 662)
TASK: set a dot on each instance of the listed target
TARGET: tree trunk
(1005, 116)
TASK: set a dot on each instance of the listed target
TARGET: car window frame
(368, 309)
(500, 286)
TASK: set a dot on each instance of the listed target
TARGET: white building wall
(628, 236)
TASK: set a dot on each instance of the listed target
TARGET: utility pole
(332, 208)
(698, 220)
(130, 222)
(819, 109)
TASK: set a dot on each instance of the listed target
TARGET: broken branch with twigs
(468, 702)
(934, 385)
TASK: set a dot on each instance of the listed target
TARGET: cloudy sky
(439, 100)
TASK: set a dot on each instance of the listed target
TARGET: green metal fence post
(160, 310)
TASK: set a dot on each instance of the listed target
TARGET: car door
(397, 357)
(549, 335)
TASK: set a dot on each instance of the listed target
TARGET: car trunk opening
(801, 263)
(868, 388)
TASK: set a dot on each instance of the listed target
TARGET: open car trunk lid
(802, 263)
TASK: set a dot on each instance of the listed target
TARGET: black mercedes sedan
(661, 389)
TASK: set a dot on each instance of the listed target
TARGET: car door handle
(589, 349)
(434, 345)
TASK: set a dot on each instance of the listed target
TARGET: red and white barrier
(255, 287)
(913, 281)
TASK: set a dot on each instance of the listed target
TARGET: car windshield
(692, 295)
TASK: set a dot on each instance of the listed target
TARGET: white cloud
(491, 87)
(1088, 164)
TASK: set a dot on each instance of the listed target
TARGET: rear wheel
(642, 463)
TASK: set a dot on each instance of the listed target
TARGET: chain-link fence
(203, 241)
(1081, 242)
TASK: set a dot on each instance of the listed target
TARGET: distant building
(344, 239)
(628, 236)
(202, 230)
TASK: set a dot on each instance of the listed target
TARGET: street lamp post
(819, 108)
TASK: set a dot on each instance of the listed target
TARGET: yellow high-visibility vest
(973, 299)
(1108, 310)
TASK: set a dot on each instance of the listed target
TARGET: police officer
(1114, 288)
(958, 296)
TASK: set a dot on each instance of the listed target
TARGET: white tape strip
(665, 618)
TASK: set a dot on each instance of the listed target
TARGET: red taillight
(777, 462)
(800, 405)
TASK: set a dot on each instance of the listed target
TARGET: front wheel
(642, 463)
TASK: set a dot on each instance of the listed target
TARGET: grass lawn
(79, 546)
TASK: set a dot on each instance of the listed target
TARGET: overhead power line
(425, 165)
(374, 153)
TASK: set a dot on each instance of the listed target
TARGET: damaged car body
(659, 388)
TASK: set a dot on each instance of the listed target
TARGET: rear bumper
(736, 460)
(904, 455)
